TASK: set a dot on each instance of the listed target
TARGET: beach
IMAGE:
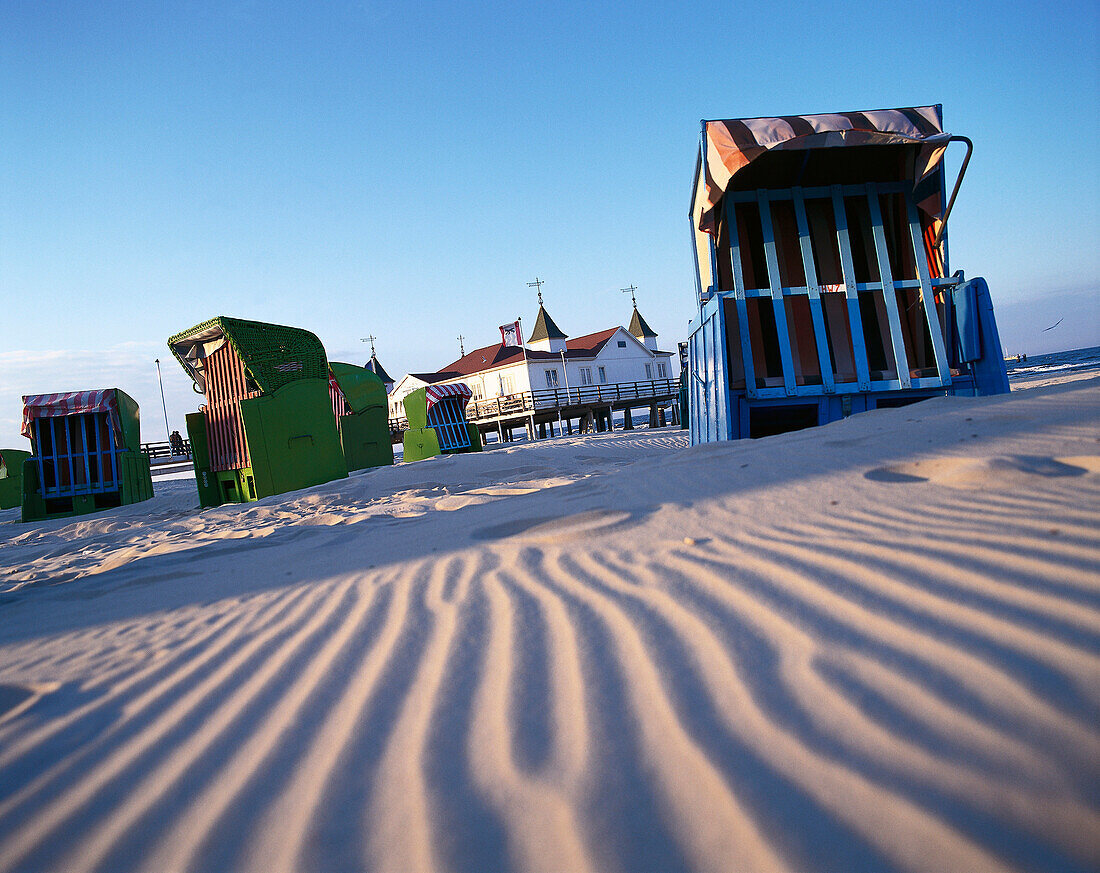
(869, 646)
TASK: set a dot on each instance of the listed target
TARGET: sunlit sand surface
(871, 646)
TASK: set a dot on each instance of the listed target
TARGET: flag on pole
(510, 334)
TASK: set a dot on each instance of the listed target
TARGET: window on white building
(603, 376)
(649, 371)
(476, 389)
(551, 378)
(586, 375)
(622, 344)
(662, 373)
(507, 385)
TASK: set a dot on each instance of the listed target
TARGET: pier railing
(162, 451)
(612, 394)
(521, 404)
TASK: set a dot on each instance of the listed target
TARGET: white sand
(869, 646)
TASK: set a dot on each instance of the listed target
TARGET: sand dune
(870, 646)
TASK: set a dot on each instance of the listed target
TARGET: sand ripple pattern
(852, 690)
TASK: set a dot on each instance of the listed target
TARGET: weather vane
(369, 339)
(461, 347)
(538, 283)
(631, 291)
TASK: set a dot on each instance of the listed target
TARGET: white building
(553, 360)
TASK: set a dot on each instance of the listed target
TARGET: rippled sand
(870, 646)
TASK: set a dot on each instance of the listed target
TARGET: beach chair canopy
(360, 387)
(273, 354)
(77, 402)
(435, 393)
(731, 147)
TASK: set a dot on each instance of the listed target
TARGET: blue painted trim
(813, 291)
(927, 293)
(69, 445)
(722, 385)
(848, 270)
(775, 284)
(38, 448)
(739, 295)
(114, 454)
(889, 295)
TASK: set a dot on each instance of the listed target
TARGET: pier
(581, 409)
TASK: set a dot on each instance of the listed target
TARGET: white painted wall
(622, 364)
(406, 386)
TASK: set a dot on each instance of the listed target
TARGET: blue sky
(404, 171)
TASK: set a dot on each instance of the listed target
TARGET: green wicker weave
(274, 355)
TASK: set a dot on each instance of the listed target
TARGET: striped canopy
(71, 403)
(435, 393)
(732, 145)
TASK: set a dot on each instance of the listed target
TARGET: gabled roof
(500, 355)
(545, 328)
(485, 358)
(376, 368)
(589, 346)
(638, 326)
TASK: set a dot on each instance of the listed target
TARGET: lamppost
(565, 371)
(164, 406)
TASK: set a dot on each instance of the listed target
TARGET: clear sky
(404, 170)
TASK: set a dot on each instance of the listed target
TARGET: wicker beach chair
(267, 424)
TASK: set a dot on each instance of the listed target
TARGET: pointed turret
(645, 334)
(375, 367)
(546, 336)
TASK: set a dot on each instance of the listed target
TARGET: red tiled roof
(500, 355)
(484, 359)
(590, 344)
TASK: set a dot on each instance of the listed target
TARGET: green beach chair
(360, 407)
(267, 426)
(11, 477)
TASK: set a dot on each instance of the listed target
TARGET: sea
(1072, 361)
